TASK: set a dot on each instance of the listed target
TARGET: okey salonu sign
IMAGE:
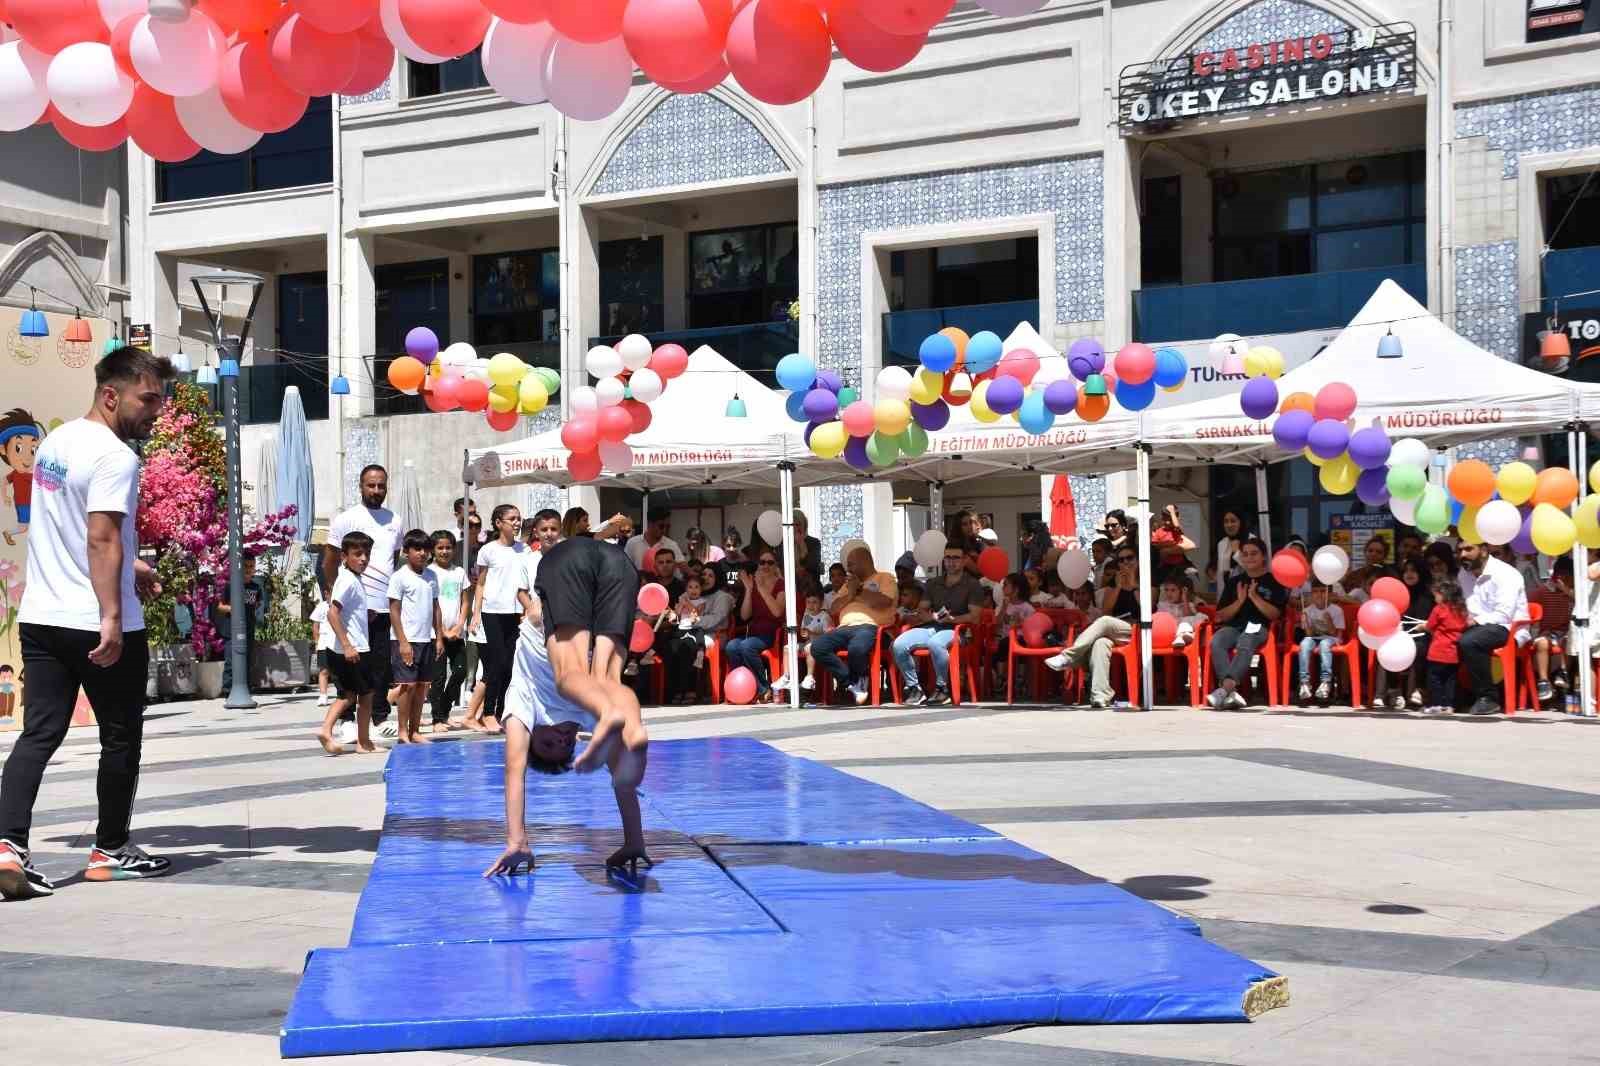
(1361, 61)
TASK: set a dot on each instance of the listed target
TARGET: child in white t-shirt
(1323, 623)
(813, 624)
(352, 666)
(323, 633)
(1176, 600)
(417, 633)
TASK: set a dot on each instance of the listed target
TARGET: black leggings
(55, 663)
(499, 655)
(448, 670)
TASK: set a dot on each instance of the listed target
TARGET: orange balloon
(406, 374)
(959, 338)
(1556, 486)
(1298, 401)
(1093, 408)
(1471, 482)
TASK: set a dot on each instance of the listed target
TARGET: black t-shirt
(1127, 605)
(1267, 588)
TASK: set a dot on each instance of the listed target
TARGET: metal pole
(1263, 510)
(1146, 517)
(1580, 591)
(791, 649)
(936, 506)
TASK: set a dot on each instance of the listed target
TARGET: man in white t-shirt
(371, 517)
(654, 536)
(81, 623)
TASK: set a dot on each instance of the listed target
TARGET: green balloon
(848, 396)
(1433, 513)
(549, 378)
(913, 442)
(882, 450)
(1406, 482)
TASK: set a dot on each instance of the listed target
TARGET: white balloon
(1405, 510)
(513, 59)
(770, 526)
(584, 400)
(23, 95)
(207, 119)
(603, 362)
(616, 456)
(646, 385)
(170, 10)
(114, 11)
(1330, 564)
(1226, 346)
(1009, 8)
(1499, 522)
(929, 549)
(894, 383)
(87, 86)
(1409, 452)
(849, 546)
(1074, 567)
(1370, 641)
(1398, 652)
(587, 81)
(389, 16)
(635, 351)
(178, 58)
(610, 391)
(459, 354)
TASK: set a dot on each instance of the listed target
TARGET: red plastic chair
(1168, 658)
(960, 660)
(1512, 656)
(1269, 659)
(874, 673)
(1070, 622)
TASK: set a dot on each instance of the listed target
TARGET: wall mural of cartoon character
(20, 434)
(8, 691)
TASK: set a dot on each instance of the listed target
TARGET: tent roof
(1444, 390)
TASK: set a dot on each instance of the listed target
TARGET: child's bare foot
(628, 858)
(326, 740)
(369, 748)
(492, 725)
(418, 738)
(474, 725)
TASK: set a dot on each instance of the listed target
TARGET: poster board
(44, 381)
(1352, 532)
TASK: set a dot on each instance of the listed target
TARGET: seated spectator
(1082, 601)
(814, 622)
(1252, 601)
(866, 603)
(1555, 596)
(1100, 554)
(1119, 606)
(954, 599)
(1170, 544)
(1323, 625)
(1014, 610)
(699, 549)
(911, 601)
(1496, 597)
(836, 579)
(1055, 593)
(905, 570)
(1177, 599)
(762, 611)
(654, 537)
(682, 644)
(1036, 593)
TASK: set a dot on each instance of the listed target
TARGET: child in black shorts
(352, 663)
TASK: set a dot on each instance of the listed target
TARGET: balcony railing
(904, 331)
(261, 388)
(754, 348)
(1265, 305)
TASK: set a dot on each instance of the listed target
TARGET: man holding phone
(956, 599)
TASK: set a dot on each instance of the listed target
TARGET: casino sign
(1361, 61)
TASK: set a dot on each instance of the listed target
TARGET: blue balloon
(938, 353)
(1035, 417)
(796, 372)
(1171, 368)
(983, 352)
(796, 406)
(1136, 397)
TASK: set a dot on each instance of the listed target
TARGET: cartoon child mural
(8, 691)
(20, 433)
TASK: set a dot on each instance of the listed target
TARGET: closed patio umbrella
(295, 480)
(405, 498)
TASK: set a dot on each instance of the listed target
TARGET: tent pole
(466, 508)
(1580, 583)
(936, 505)
(791, 623)
(1146, 517)
(1263, 508)
(644, 514)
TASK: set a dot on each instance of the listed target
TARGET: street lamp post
(230, 351)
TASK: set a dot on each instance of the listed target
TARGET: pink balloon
(310, 61)
(587, 21)
(668, 361)
(121, 38)
(207, 119)
(859, 419)
(1020, 364)
(906, 18)
(1135, 363)
(336, 16)
(653, 598)
(740, 685)
(1035, 628)
(1335, 400)
(177, 58)
(51, 25)
(779, 50)
(704, 83)
(587, 82)
(615, 423)
(643, 637)
(153, 124)
(448, 389)
(513, 59)
(253, 93)
(374, 62)
(676, 40)
(1378, 617)
(89, 138)
(583, 466)
(864, 44)
(523, 11)
(445, 27)
(394, 30)
(581, 434)
(472, 394)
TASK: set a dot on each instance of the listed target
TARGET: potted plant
(282, 657)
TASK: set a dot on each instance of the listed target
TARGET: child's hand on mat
(516, 855)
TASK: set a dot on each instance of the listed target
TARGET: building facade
(1160, 171)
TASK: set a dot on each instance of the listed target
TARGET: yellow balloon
(503, 398)
(1516, 482)
(828, 440)
(1273, 359)
(531, 394)
(1467, 526)
(1339, 476)
(1594, 476)
(891, 417)
(927, 387)
(1312, 457)
(1553, 532)
(506, 369)
(1255, 363)
(1587, 521)
(979, 404)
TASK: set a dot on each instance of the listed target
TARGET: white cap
(989, 535)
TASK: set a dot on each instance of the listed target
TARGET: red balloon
(1035, 628)
(582, 434)
(374, 61)
(993, 564)
(445, 27)
(501, 420)
(1135, 363)
(1163, 630)
(309, 60)
(242, 16)
(438, 401)
(523, 11)
(740, 685)
(472, 394)
(906, 17)
(253, 93)
(51, 25)
(668, 361)
(584, 466)
(639, 413)
(447, 387)
(1393, 591)
(705, 82)
(1289, 568)
(336, 16)
(585, 21)
(643, 637)
(1378, 617)
(1020, 364)
(615, 423)
(89, 138)
(779, 50)
(1335, 400)
(121, 36)
(153, 124)
(653, 598)
(676, 40)
(865, 45)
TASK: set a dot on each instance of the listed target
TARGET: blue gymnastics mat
(787, 898)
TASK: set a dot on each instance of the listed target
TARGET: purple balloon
(1369, 448)
(933, 416)
(1060, 397)
(810, 428)
(1328, 439)
(1004, 395)
(422, 344)
(1086, 356)
(1372, 487)
(1259, 398)
(855, 453)
(820, 405)
(1292, 428)
(827, 379)
(1522, 543)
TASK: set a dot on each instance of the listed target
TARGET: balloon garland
(218, 74)
(502, 387)
(628, 378)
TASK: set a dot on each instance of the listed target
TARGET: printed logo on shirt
(50, 474)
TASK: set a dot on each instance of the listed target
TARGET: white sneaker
(782, 684)
(345, 733)
(859, 691)
(1217, 698)
(1305, 692)
(1237, 702)
(807, 683)
(322, 700)
(388, 731)
(1057, 662)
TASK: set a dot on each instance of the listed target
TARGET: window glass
(1264, 201)
(408, 295)
(727, 261)
(1356, 249)
(300, 155)
(631, 286)
(1363, 190)
(451, 76)
(1572, 210)
(516, 302)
